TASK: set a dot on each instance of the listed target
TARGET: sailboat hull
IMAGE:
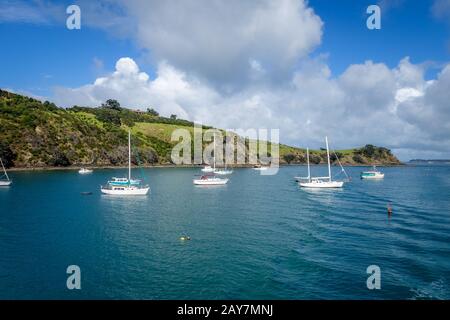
(126, 191)
(5, 183)
(210, 182)
(322, 184)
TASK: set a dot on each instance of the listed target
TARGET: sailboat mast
(4, 170)
(309, 169)
(328, 156)
(129, 157)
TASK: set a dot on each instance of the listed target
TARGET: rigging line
(140, 165)
(342, 168)
(138, 160)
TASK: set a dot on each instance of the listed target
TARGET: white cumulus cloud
(367, 103)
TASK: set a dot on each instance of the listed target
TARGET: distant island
(35, 134)
(431, 161)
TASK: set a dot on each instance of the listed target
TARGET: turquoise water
(259, 237)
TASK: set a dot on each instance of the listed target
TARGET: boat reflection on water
(326, 197)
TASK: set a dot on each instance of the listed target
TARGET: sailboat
(372, 174)
(211, 179)
(4, 182)
(321, 182)
(125, 186)
(224, 171)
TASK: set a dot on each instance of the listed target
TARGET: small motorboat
(260, 168)
(223, 172)
(207, 169)
(372, 174)
(85, 171)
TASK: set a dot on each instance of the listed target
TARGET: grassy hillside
(39, 134)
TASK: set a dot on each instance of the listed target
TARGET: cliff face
(39, 134)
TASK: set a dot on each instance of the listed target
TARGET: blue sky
(42, 56)
(408, 29)
(310, 71)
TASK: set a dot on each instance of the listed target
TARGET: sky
(309, 68)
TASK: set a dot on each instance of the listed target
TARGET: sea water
(258, 237)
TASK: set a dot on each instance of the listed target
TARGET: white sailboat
(223, 171)
(321, 182)
(211, 179)
(4, 182)
(125, 186)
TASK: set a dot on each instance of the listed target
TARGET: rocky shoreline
(168, 166)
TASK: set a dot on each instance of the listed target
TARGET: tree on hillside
(368, 150)
(59, 159)
(109, 116)
(7, 155)
(315, 159)
(334, 156)
(173, 116)
(112, 104)
(358, 159)
(152, 112)
(289, 157)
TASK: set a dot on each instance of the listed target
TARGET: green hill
(40, 134)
